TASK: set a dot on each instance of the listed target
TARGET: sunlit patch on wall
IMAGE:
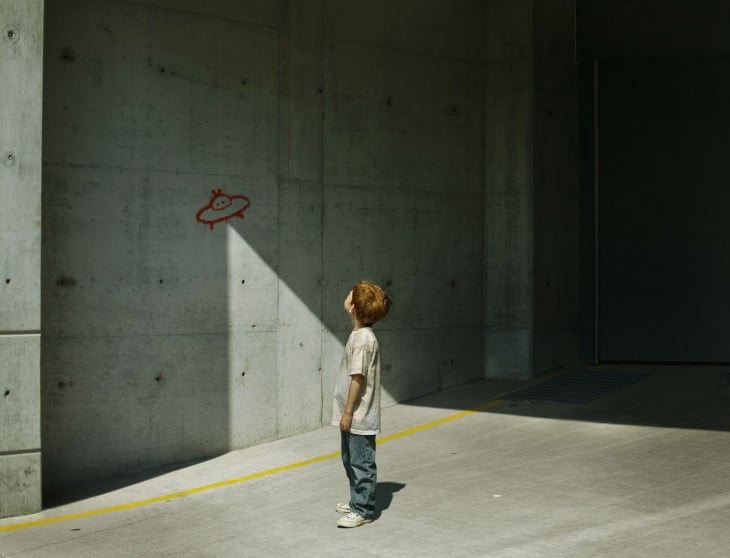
(221, 207)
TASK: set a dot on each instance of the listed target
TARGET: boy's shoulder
(364, 336)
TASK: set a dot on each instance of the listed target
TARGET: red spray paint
(222, 207)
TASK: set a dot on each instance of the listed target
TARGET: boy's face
(349, 306)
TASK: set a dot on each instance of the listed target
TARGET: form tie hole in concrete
(12, 35)
(7, 393)
(65, 281)
(161, 281)
(159, 378)
(243, 281)
(9, 160)
(7, 281)
(67, 55)
(243, 374)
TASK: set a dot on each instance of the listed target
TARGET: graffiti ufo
(221, 207)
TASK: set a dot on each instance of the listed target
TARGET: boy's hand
(346, 422)
(353, 396)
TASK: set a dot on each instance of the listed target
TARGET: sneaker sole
(353, 525)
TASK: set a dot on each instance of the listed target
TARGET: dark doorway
(663, 194)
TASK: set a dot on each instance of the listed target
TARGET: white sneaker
(352, 519)
(343, 508)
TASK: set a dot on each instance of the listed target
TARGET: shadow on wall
(171, 335)
(135, 364)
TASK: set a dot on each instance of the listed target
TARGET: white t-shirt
(361, 356)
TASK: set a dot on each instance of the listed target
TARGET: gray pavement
(639, 472)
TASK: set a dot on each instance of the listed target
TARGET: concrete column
(509, 173)
(532, 202)
(556, 196)
(21, 100)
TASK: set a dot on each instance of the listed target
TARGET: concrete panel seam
(19, 452)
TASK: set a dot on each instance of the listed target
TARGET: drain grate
(579, 386)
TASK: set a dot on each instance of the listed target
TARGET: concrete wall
(509, 153)
(355, 130)
(532, 216)
(21, 68)
(557, 218)
(349, 140)
(403, 183)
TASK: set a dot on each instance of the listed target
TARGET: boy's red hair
(371, 302)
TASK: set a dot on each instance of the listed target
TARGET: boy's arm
(353, 396)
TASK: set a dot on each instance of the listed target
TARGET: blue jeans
(358, 457)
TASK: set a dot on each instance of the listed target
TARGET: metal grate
(580, 386)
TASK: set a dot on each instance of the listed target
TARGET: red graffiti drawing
(222, 207)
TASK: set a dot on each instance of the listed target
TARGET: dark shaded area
(668, 395)
(384, 496)
(651, 28)
(579, 386)
(80, 491)
(662, 230)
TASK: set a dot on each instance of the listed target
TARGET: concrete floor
(641, 472)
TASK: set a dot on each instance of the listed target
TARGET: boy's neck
(356, 324)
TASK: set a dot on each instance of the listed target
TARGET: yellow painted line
(167, 497)
(438, 422)
(238, 480)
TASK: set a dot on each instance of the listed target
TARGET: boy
(356, 407)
